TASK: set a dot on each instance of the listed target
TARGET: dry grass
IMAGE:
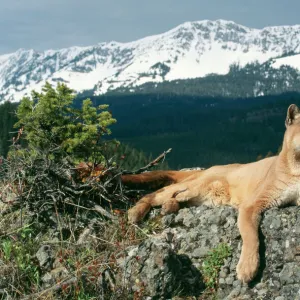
(85, 260)
(83, 223)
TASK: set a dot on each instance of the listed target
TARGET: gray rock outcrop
(170, 263)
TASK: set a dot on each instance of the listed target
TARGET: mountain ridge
(190, 50)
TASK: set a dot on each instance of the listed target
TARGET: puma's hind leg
(163, 197)
(212, 191)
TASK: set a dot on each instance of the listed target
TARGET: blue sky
(53, 24)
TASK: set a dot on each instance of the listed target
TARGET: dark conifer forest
(202, 131)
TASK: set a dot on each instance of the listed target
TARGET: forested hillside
(202, 131)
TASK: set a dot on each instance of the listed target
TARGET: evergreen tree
(43, 173)
(52, 126)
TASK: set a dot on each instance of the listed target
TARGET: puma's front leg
(248, 222)
(163, 197)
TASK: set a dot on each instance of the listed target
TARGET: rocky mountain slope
(251, 80)
(191, 50)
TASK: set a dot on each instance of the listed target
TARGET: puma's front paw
(247, 267)
(134, 215)
(169, 207)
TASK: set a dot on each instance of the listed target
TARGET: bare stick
(151, 164)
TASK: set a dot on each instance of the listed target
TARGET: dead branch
(96, 208)
(150, 165)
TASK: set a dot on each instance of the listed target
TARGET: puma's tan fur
(251, 188)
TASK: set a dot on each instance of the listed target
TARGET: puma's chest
(288, 195)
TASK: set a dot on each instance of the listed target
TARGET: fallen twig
(96, 208)
(150, 165)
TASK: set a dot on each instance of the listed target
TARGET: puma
(251, 188)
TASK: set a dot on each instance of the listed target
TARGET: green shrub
(213, 263)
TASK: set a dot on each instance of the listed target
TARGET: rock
(155, 270)
(45, 257)
(54, 276)
(170, 263)
(192, 169)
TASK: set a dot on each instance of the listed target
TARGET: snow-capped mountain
(191, 50)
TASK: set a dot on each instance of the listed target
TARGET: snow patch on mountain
(292, 61)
